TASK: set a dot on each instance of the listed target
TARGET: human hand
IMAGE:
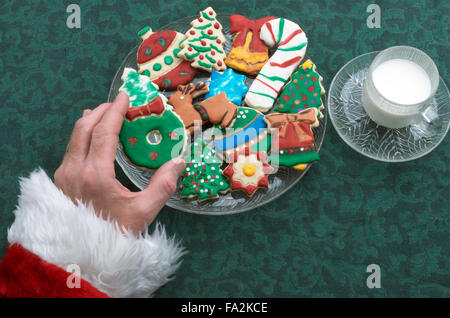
(87, 170)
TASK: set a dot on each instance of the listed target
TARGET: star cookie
(230, 82)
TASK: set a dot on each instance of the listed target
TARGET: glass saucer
(356, 128)
(232, 202)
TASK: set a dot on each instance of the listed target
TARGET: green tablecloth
(317, 239)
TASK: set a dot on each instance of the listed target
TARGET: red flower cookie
(248, 171)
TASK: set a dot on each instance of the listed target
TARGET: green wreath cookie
(150, 142)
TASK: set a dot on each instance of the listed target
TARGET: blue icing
(229, 82)
(241, 136)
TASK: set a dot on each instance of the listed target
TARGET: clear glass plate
(356, 128)
(232, 202)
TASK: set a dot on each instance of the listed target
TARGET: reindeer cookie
(217, 110)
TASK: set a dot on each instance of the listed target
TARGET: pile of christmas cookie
(246, 142)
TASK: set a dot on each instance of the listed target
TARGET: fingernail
(180, 164)
(86, 112)
(121, 95)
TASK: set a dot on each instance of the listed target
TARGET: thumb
(163, 184)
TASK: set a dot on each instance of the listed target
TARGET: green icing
(262, 94)
(176, 51)
(280, 30)
(143, 154)
(213, 61)
(138, 87)
(290, 160)
(204, 64)
(298, 94)
(293, 48)
(191, 56)
(200, 48)
(168, 60)
(273, 78)
(157, 67)
(162, 41)
(216, 48)
(206, 16)
(202, 27)
(146, 73)
(202, 176)
(144, 30)
(209, 37)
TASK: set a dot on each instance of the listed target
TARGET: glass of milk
(401, 82)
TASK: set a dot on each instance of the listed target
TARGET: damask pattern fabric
(317, 239)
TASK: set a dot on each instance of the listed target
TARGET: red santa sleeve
(51, 237)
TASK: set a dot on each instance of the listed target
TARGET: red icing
(241, 24)
(286, 63)
(275, 90)
(156, 106)
(290, 37)
(286, 98)
(180, 75)
(219, 63)
(269, 28)
(216, 25)
(249, 189)
(291, 139)
(153, 43)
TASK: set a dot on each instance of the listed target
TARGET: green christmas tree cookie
(139, 88)
(202, 176)
(303, 91)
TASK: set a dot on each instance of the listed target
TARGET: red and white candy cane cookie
(291, 42)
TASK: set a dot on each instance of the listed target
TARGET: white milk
(402, 81)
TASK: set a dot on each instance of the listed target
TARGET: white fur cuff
(50, 225)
